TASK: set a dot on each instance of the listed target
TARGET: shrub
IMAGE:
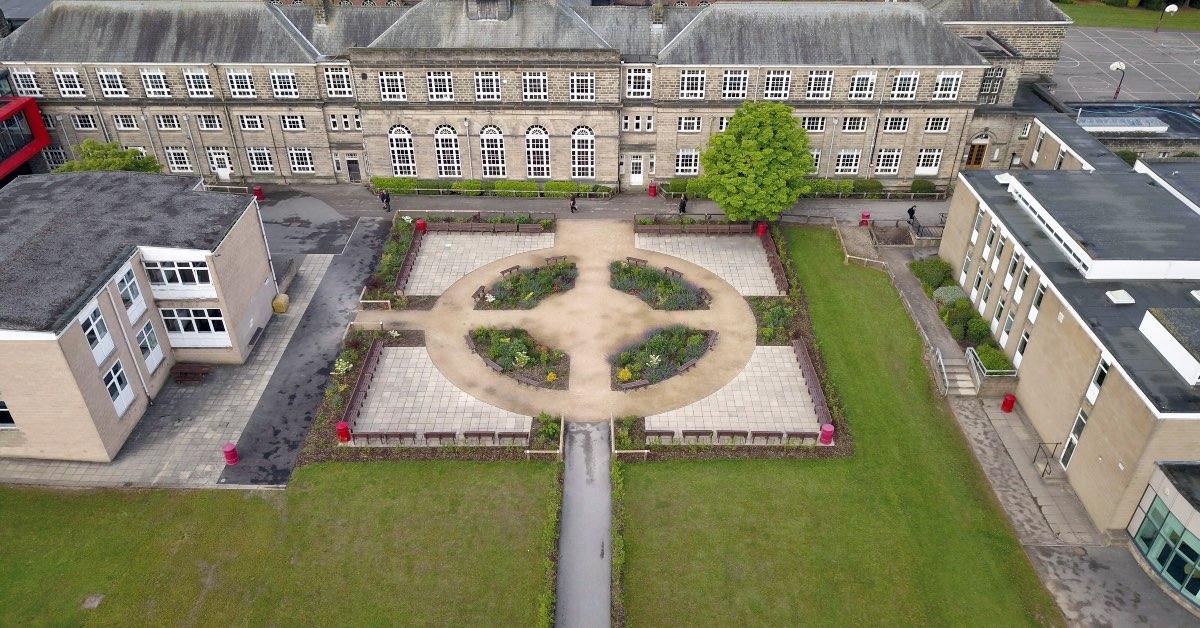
(922, 186)
(468, 187)
(526, 288)
(933, 272)
(775, 317)
(660, 355)
(545, 431)
(957, 316)
(516, 350)
(561, 188)
(395, 185)
(602, 189)
(1188, 153)
(520, 189)
(870, 187)
(654, 287)
(1127, 156)
(977, 330)
(993, 358)
(697, 188)
(677, 186)
(819, 188)
(946, 295)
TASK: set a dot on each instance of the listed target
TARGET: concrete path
(584, 557)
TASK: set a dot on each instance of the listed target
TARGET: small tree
(756, 167)
(95, 155)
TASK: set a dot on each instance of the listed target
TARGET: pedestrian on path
(683, 204)
(912, 214)
(387, 201)
(573, 208)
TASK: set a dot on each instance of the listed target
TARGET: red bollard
(421, 226)
(231, 454)
(864, 219)
(1010, 400)
(258, 193)
(827, 434)
(652, 189)
(761, 229)
(343, 432)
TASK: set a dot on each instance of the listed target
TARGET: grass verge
(1099, 14)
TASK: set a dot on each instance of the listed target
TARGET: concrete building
(109, 278)
(530, 89)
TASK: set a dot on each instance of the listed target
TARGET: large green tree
(95, 155)
(756, 167)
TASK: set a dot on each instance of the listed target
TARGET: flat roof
(1182, 121)
(63, 235)
(1185, 477)
(1184, 176)
(1117, 215)
(1183, 323)
(1085, 144)
(1116, 326)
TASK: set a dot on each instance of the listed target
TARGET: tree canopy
(95, 155)
(756, 167)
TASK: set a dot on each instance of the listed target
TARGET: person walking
(683, 204)
(912, 214)
(387, 201)
(573, 208)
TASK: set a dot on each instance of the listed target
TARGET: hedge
(868, 186)
(522, 189)
(564, 188)
(475, 187)
(933, 272)
(829, 187)
(469, 187)
(993, 358)
(1127, 156)
(922, 186)
(697, 188)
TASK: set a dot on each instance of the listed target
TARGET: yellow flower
(551, 377)
(624, 375)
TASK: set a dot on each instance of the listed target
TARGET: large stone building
(529, 89)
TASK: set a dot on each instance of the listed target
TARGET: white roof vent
(1196, 294)
(1120, 297)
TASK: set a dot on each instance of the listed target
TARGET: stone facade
(1038, 44)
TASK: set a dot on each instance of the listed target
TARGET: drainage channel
(584, 569)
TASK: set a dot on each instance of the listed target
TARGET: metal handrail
(1050, 455)
(942, 367)
(982, 371)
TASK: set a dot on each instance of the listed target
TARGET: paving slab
(447, 257)
(739, 260)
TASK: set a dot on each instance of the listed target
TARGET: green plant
(697, 188)
(946, 295)
(933, 272)
(546, 431)
(616, 474)
(872, 188)
(655, 287)
(1127, 156)
(395, 185)
(957, 315)
(775, 317)
(660, 355)
(94, 155)
(992, 358)
(561, 188)
(526, 288)
(977, 330)
(519, 189)
(922, 186)
(676, 186)
(546, 224)
(1188, 154)
(468, 187)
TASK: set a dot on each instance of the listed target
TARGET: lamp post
(1170, 9)
(1118, 66)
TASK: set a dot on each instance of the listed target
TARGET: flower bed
(658, 288)
(776, 318)
(665, 353)
(524, 288)
(546, 432)
(476, 187)
(960, 316)
(381, 285)
(515, 353)
(491, 222)
(689, 223)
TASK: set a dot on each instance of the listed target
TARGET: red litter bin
(827, 434)
(652, 190)
(761, 229)
(258, 193)
(864, 219)
(343, 432)
(231, 454)
(1010, 400)
(421, 226)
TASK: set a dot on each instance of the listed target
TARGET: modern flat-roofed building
(108, 279)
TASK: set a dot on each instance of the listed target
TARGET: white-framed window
(125, 121)
(83, 121)
(722, 123)
(888, 161)
(689, 124)
(895, 124)
(219, 159)
(487, 86)
(69, 85)
(847, 162)
(47, 121)
(1013, 264)
(537, 152)
(147, 341)
(1072, 443)
(440, 85)
(251, 123)
(491, 151)
(691, 84)
(241, 84)
(987, 244)
(1007, 328)
(1037, 145)
(928, 161)
(1020, 291)
(26, 83)
(862, 86)
(338, 83)
(937, 124)
(976, 226)
(1038, 296)
(178, 159)
(989, 87)
(176, 274)
(55, 156)
(962, 274)
(816, 155)
(777, 85)
(582, 86)
(975, 286)
(904, 86)
(300, 159)
(118, 388)
(820, 85)
(167, 122)
(291, 122)
(1025, 130)
(404, 161)
(155, 84)
(283, 84)
(131, 294)
(140, 149)
(391, 87)
(1098, 377)
(198, 84)
(259, 158)
(947, 85)
(638, 123)
(1058, 160)
(445, 148)
(687, 162)
(6, 418)
(854, 124)
(209, 122)
(583, 153)
(735, 84)
(112, 83)
(1022, 344)
(95, 332)
(193, 320)
(638, 82)
(999, 313)
(814, 124)
(535, 86)
(987, 294)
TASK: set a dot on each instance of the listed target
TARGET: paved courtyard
(1159, 66)
(178, 441)
(447, 257)
(768, 395)
(409, 394)
(739, 260)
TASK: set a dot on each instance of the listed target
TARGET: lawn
(1098, 14)
(346, 544)
(904, 532)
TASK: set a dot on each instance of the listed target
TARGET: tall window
(445, 145)
(638, 82)
(441, 86)
(778, 84)
(292, 122)
(69, 85)
(260, 159)
(301, 160)
(400, 142)
(820, 85)
(1072, 443)
(947, 85)
(691, 84)
(112, 83)
(147, 341)
(847, 162)
(583, 153)
(94, 329)
(1098, 377)
(537, 152)
(888, 161)
(928, 161)
(127, 287)
(219, 159)
(125, 121)
(177, 159)
(198, 84)
(904, 86)
(535, 86)
(491, 151)
(118, 387)
(241, 84)
(862, 86)
(6, 418)
(989, 89)
(687, 162)
(283, 84)
(391, 86)
(338, 83)
(735, 84)
(487, 86)
(25, 81)
(155, 83)
(583, 86)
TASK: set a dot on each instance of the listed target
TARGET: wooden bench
(557, 259)
(698, 433)
(490, 436)
(479, 293)
(637, 383)
(440, 436)
(765, 435)
(733, 434)
(636, 261)
(510, 270)
(190, 372)
(672, 273)
(660, 433)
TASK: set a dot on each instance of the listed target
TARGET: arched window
(392, 3)
(345, 3)
(491, 151)
(368, 3)
(702, 3)
(404, 163)
(583, 153)
(297, 2)
(681, 3)
(445, 145)
(537, 152)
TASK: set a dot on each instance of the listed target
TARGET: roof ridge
(575, 14)
(403, 17)
(309, 48)
(703, 14)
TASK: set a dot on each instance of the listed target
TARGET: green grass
(1097, 14)
(364, 544)
(904, 532)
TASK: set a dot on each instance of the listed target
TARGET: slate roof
(535, 24)
(817, 33)
(106, 31)
(996, 11)
(63, 235)
(22, 9)
(345, 27)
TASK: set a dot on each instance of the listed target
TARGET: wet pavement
(584, 567)
(298, 224)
